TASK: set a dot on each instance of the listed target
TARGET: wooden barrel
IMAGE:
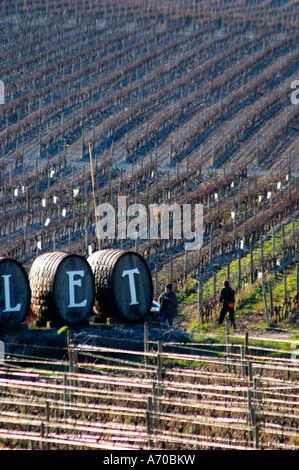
(14, 293)
(62, 287)
(123, 284)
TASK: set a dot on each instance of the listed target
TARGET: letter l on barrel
(130, 273)
(8, 307)
(72, 284)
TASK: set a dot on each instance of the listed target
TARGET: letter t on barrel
(130, 273)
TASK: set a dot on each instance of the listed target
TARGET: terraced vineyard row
(234, 402)
(180, 102)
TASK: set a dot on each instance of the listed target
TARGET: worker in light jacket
(168, 305)
(227, 296)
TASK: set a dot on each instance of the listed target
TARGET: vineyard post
(200, 296)
(149, 412)
(215, 285)
(235, 230)
(70, 239)
(94, 195)
(159, 364)
(253, 408)
(265, 302)
(126, 148)
(65, 395)
(27, 202)
(293, 229)
(250, 382)
(228, 271)
(154, 393)
(285, 287)
(186, 264)
(255, 393)
(239, 198)
(71, 360)
(54, 240)
(200, 290)
(25, 236)
(271, 295)
(227, 341)
(38, 245)
(262, 254)
(246, 344)
(110, 185)
(86, 236)
(47, 410)
(243, 363)
(82, 142)
(12, 200)
(239, 269)
(145, 343)
(42, 435)
(180, 137)
(251, 264)
(251, 417)
(211, 243)
(62, 125)
(60, 197)
(256, 435)
(213, 150)
(223, 237)
(136, 189)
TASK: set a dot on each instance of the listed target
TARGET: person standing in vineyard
(168, 302)
(227, 296)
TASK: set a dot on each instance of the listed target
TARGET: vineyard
(185, 102)
(193, 107)
(176, 398)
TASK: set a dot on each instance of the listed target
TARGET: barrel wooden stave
(41, 278)
(50, 287)
(115, 292)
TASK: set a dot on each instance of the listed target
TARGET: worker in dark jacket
(168, 305)
(228, 298)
